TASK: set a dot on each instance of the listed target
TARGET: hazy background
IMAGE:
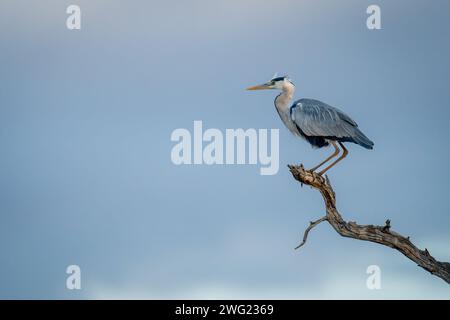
(85, 170)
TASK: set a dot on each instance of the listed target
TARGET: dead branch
(378, 234)
(312, 224)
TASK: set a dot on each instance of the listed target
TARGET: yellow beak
(259, 87)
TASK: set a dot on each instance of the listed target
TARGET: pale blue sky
(85, 170)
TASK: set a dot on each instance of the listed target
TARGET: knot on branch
(387, 225)
(314, 180)
(305, 176)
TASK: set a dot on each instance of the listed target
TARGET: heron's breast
(287, 120)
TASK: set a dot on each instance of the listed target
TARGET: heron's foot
(313, 169)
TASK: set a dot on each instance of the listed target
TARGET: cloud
(395, 286)
(400, 278)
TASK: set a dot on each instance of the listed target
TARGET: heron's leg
(344, 154)
(334, 154)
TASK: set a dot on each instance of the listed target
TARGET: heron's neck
(283, 100)
(283, 104)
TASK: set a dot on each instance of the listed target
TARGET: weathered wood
(378, 234)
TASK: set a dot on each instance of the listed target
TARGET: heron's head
(280, 83)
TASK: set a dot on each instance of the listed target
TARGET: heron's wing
(315, 118)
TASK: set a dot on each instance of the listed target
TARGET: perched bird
(317, 122)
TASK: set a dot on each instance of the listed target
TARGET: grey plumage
(319, 122)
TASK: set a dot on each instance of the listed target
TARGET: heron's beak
(264, 86)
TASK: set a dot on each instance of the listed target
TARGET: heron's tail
(362, 140)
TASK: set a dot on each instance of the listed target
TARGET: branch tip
(312, 224)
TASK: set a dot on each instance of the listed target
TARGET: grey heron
(317, 122)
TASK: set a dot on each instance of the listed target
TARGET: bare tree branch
(378, 234)
(312, 224)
